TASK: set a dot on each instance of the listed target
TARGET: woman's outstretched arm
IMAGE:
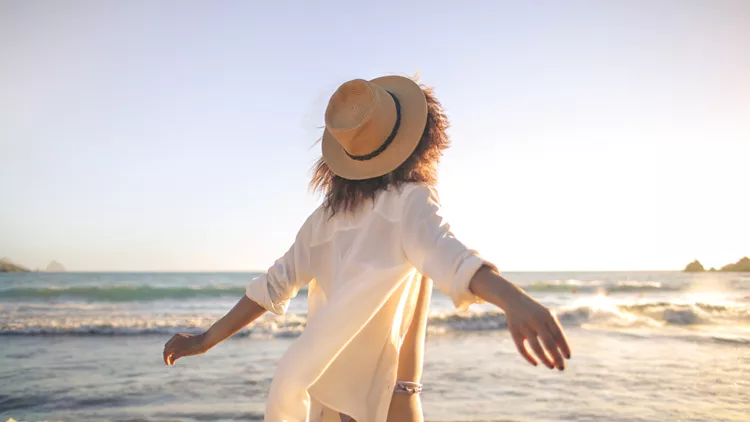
(461, 274)
(271, 291)
(181, 345)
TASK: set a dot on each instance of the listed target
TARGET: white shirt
(364, 271)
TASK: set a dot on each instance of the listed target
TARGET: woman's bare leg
(408, 407)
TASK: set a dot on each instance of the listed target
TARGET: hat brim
(413, 119)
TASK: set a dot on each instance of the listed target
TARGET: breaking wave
(646, 315)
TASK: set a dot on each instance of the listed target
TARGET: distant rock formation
(8, 266)
(694, 267)
(54, 267)
(743, 265)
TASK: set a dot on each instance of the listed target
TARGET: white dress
(363, 272)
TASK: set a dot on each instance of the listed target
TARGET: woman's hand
(528, 320)
(531, 322)
(181, 345)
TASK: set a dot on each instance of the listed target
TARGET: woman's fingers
(552, 351)
(537, 348)
(518, 339)
(559, 337)
(180, 346)
(168, 357)
(171, 348)
(530, 322)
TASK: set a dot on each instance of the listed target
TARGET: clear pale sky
(178, 135)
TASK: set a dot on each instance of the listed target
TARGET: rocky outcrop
(694, 267)
(54, 267)
(8, 266)
(741, 266)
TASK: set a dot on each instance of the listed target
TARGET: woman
(363, 253)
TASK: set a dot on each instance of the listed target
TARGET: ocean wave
(733, 340)
(136, 293)
(121, 293)
(577, 286)
(648, 315)
(691, 313)
(130, 325)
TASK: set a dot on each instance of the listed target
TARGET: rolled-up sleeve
(433, 250)
(274, 289)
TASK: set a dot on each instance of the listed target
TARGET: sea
(647, 346)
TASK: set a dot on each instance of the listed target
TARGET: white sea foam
(600, 313)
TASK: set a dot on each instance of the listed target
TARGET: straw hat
(372, 127)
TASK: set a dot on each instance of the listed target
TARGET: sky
(179, 135)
